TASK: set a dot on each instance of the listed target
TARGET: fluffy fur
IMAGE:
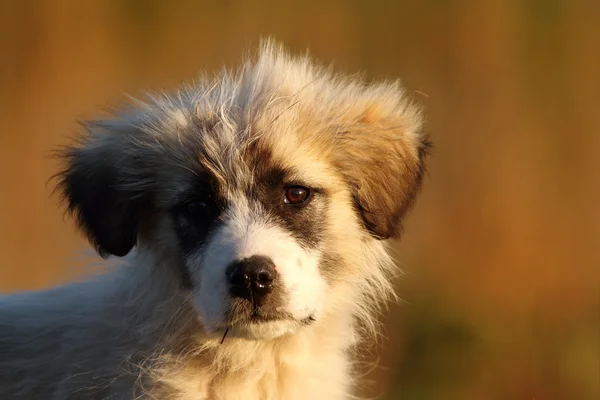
(162, 324)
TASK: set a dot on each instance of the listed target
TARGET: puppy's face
(271, 210)
(252, 236)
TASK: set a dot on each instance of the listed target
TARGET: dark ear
(97, 187)
(384, 162)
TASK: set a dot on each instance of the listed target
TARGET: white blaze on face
(245, 233)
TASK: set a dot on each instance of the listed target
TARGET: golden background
(501, 292)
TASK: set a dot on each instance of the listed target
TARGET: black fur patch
(95, 190)
(193, 222)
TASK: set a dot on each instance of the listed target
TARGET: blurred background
(501, 256)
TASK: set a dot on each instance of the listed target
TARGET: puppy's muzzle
(252, 279)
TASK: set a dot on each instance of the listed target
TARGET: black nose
(251, 278)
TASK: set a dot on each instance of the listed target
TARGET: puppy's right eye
(196, 209)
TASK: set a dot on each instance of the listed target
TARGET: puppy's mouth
(244, 312)
(259, 317)
(257, 320)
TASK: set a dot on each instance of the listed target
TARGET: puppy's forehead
(251, 155)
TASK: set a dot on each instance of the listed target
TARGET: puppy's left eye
(296, 195)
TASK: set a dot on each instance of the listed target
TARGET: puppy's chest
(295, 377)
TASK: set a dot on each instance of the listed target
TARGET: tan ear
(382, 156)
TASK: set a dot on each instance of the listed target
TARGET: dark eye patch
(198, 207)
(276, 176)
(195, 212)
(296, 206)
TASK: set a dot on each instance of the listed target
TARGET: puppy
(252, 212)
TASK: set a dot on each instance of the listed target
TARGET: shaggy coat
(281, 165)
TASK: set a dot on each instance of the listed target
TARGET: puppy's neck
(315, 359)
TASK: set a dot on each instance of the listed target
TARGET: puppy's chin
(263, 330)
(257, 330)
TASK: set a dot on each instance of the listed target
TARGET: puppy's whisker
(225, 334)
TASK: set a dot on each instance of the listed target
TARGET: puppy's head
(269, 191)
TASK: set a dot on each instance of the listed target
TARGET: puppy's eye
(196, 209)
(296, 195)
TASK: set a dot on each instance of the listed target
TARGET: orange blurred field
(501, 256)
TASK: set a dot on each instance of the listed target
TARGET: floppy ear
(96, 184)
(383, 159)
